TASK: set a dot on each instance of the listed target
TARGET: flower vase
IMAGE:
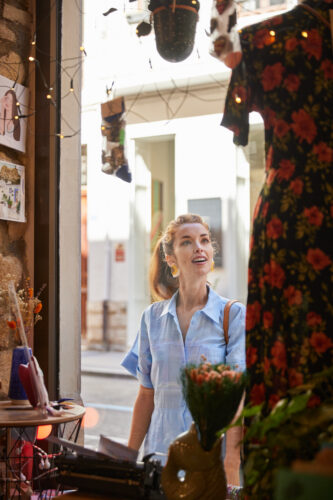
(203, 471)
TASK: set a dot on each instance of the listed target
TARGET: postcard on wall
(13, 112)
(12, 192)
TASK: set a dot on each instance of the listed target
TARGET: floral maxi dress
(286, 74)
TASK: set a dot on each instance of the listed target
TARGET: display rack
(26, 468)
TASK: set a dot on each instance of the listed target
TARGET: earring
(174, 271)
(212, 266)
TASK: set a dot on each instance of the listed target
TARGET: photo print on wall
(13, 114)
(12, 193)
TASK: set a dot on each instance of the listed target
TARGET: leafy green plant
(296, 428)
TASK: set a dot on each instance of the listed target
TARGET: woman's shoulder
(156, 309)
(223, 301)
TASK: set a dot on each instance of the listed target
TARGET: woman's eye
(206, 240)
(185, 242)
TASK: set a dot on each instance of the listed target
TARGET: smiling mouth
(199, 260)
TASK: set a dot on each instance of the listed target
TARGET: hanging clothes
(286, 74)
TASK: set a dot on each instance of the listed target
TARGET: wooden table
(22, 420)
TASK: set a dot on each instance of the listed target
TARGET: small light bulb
(102, 127)
(305, 34)
(82, 48)
(17, 104)
(48, 96)
(16, 117)
(60, 136)
(238, 99)
(33, 42)
(31, 59)
(272, 33)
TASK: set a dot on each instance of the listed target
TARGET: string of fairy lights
(70, 67)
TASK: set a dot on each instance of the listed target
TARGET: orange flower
(272, 76)
(274, 228)
(314, 215)
(318, 259)
(296, 186)
(274, 274)
(279, 355)
(304, 126)
(295, 378)
(252, 315)
(320, 342)
(293, 296)
(30, 292)
(38, 308)
(257, 394)
(268, 319)
(11, 324)
(251, 356)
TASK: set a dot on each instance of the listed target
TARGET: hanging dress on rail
(286, 74)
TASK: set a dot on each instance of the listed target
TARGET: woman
(179, 330)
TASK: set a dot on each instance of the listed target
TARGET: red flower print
(274, 228)
(297, 186)
(304, 126)
(272, 76)
(291, 44)
(269, 158)
(268, 319)
(251, 356)
(262, 38)
(257, 394)
(266, 206)
(292, 82)
(295, 378)
(313, 401)
(327, 67)
(314, 216)
(273, 400)
(318, 259)
(252, 315)
(281, 128)
(312, 45)
(279, 356)
(274, 274)
(293, 296)
(267, 365)
(324, 152)
(257, 207)
(285, 170)
(271, 176)
(320, 342)
(313, 319)
(268, 117)
(239, 91)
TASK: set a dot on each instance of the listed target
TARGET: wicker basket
(174, 25)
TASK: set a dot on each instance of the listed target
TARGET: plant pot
(174, 28)
(204, 471)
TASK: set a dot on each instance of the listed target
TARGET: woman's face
(192, 250)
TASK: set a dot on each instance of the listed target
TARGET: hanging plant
(174, 25)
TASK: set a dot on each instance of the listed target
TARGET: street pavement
(108, 392)
(107, 363)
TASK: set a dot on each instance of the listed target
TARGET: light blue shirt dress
(159, 353)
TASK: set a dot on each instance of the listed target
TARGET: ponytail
(162, 284)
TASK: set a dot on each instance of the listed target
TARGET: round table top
(25, 416)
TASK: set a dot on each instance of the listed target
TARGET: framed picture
(13, 114)
(12, 196)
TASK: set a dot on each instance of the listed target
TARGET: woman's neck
(192, 296)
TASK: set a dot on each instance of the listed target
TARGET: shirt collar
(212, 308)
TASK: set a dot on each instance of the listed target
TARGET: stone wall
(16, 239)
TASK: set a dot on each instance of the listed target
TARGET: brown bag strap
(226, 319)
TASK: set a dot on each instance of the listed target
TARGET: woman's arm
(234, 437)
(143, 409)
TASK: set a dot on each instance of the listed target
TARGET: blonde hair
(162, 284)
